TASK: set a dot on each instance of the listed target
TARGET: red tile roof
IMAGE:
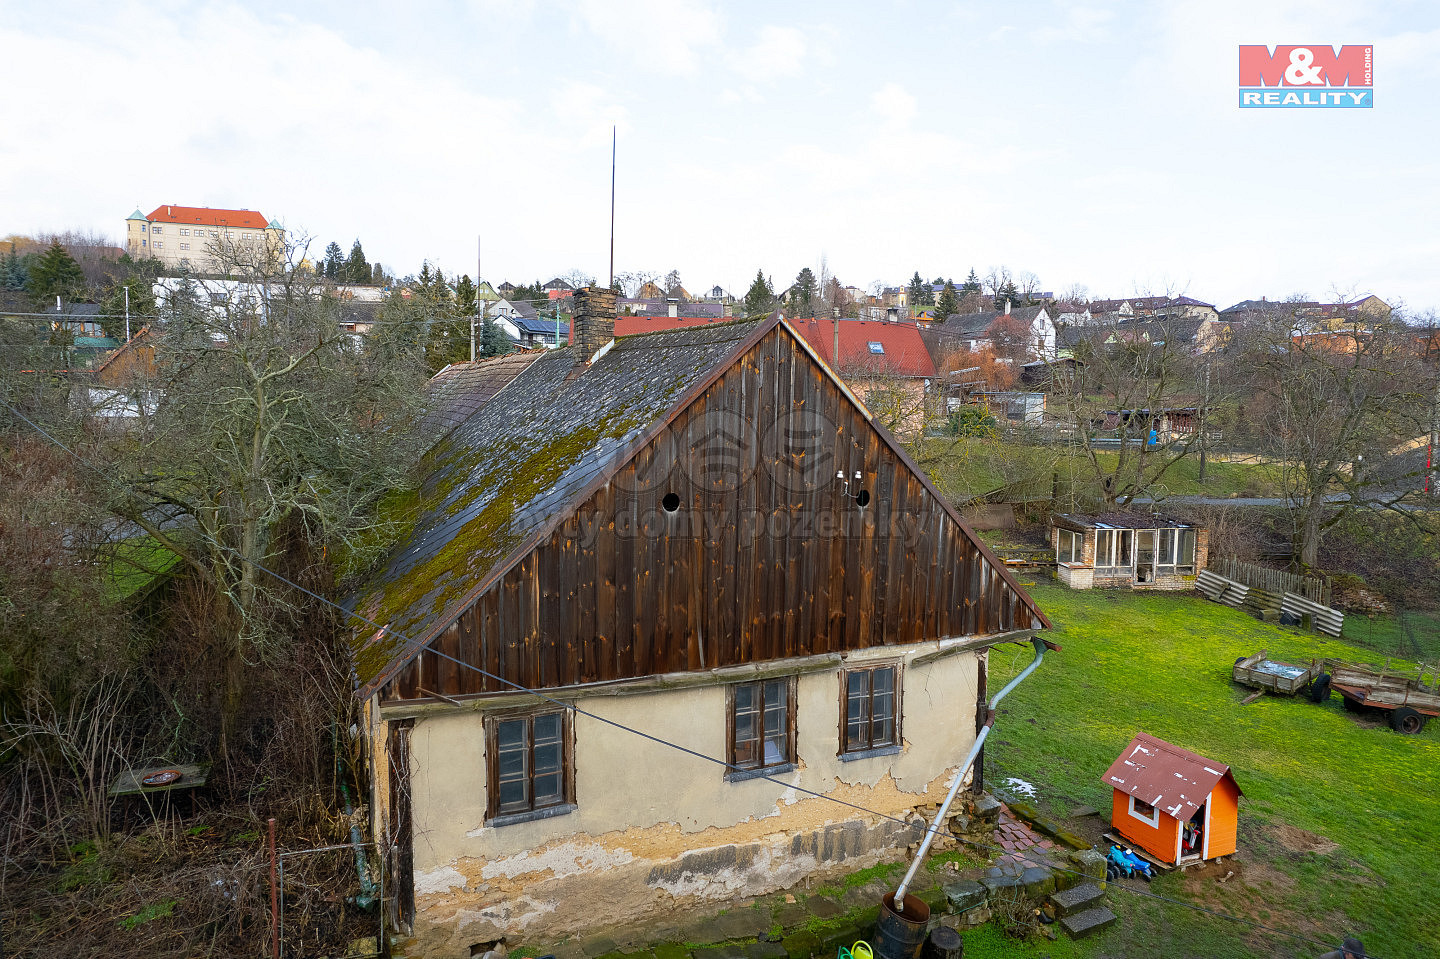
(631, 325)
(244, 219)
(904, 352)
(1167, 777)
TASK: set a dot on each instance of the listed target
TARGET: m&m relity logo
(1307, 76)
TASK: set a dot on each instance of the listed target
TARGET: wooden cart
(1285, 679)
(1408, 697)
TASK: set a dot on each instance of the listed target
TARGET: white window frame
(1148, 820)
(1076, 543)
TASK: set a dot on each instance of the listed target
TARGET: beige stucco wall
(656, 828)
(195, 246)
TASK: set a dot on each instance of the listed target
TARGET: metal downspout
(964, 768)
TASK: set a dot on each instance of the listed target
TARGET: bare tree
(1135, 377)
(271, 418)
(1336, 405)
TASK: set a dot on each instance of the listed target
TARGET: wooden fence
(1314, 588)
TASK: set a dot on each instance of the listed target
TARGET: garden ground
(1340, 816)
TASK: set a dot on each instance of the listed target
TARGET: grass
(136, 565)
(981, 465)
(1409, 635)
(1162, 664)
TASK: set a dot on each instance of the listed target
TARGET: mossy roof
(515, 463)
(457, 392)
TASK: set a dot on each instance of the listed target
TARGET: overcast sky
(1097, 144)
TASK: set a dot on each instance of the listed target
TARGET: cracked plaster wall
(656, 829)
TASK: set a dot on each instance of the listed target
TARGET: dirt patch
(1298, 840)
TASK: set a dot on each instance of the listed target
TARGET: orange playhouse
(1175, 805)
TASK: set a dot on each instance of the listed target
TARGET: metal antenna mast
(613, 140)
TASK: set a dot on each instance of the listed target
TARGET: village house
(1131, 548)
(885, 364)
(976, 331)
(698, 535)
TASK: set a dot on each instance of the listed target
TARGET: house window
(184, 232)
(1144, 812)
(1113, 548)
(1069, 546)
(530, 766)
(877, 347)
(871, 709)
(1185, 561)
(184, 246)
(158, 244)
(762, 727)
(155, 229)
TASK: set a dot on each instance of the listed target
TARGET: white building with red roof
(201, 239)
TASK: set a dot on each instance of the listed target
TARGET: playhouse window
(1144, 812)
(762, 726)
(530, 764)
(871, 713)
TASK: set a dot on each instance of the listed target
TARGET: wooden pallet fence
(1314, 588)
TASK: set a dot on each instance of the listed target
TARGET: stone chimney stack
(594, 322)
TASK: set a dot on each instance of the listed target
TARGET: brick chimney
(594, 322)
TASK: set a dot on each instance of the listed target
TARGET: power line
(989, 847)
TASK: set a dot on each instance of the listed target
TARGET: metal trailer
(1410, 701)
(1284, 679)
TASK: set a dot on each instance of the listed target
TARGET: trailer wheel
(1320, 688)
(1407, 721)
(1351, 706)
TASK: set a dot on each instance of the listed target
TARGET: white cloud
(669, 35)
(587, 112)
(778, 52)
(894, 105)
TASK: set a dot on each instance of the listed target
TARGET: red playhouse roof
(867, 345)
(242, 219)
(1167, 777)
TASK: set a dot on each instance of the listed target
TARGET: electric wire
(751, 774)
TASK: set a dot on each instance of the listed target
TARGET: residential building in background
(200, 239)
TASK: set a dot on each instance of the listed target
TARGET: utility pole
(1204, 407)
(127, 314)
(478, 301)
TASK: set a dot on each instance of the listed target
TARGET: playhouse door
(1194, 835)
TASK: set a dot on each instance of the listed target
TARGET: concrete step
(1086, 923)
(1076, 899)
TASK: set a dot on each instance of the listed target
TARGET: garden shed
(1137, 549)
(1176, 805)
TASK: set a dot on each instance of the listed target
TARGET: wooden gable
(738, 533)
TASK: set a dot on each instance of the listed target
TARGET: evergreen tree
(760, 298)
(357, 269)
(377, 275)
(918, 291)
(804, 300)
(493, 341)
(14, 270)
(1007, 292)
(948, 302)
(440, 290)
(465, 296)
(971, 286)
(334, 262)
(139, 276)
(426, 279)
(55, 273)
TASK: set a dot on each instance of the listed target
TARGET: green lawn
(978, 466)
(1162, 664)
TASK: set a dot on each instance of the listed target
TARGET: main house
(675, 622)
(201, 239)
